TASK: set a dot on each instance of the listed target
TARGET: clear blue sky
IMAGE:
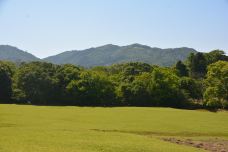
(48, 27)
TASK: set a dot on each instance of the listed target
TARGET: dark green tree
(181, 69)
(192, 88)
(165, 89)
(141, 95)
(37, 81)
(197, 64)
(215, 56)
(64, 75)
(6, 73)
(93, 89)
(216, 93)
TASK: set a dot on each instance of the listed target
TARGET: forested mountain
(110, 54)
(14, 54)
(104, 55)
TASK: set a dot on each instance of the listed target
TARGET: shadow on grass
(178, 134)
(186, 107)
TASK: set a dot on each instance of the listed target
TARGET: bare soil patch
(215, 145)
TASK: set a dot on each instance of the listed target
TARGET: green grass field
(86, 129)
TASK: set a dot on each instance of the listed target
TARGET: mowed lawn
(25, 128)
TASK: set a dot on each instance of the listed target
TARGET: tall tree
(165, 89)
(215, 56)
(181, 69)
(6, 72)
(37, 81)
(197, 65)
(193, 88)
(64, 75)
(216, 93)
(93, 89)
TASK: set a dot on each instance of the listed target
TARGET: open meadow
(25, 128)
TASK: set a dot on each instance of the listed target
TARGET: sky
(48, 27)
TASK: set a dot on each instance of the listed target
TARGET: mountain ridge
(103, 55)
(14, 54)
(111, 54)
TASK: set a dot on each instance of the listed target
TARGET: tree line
(200, 81)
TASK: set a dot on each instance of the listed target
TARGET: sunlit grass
(83, 129)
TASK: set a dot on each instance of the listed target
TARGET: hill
(110, 54)
(103, 55)
(14, 54)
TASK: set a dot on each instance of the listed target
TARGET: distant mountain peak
(110, 45)
(6, 47)
(107, 46)
(137, 45)
(14, 54)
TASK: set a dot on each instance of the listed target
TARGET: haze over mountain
(103, 55)
(14, 54)
(110, 54)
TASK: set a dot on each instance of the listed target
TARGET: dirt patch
(215, 145)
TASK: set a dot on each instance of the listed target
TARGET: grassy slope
(70, 129)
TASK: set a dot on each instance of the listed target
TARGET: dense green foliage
(198, 62)
(197, 65)
(181, 69)
(6, 72)
(91, 88)
(200, 81)
(37, 80)
(216, 94)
